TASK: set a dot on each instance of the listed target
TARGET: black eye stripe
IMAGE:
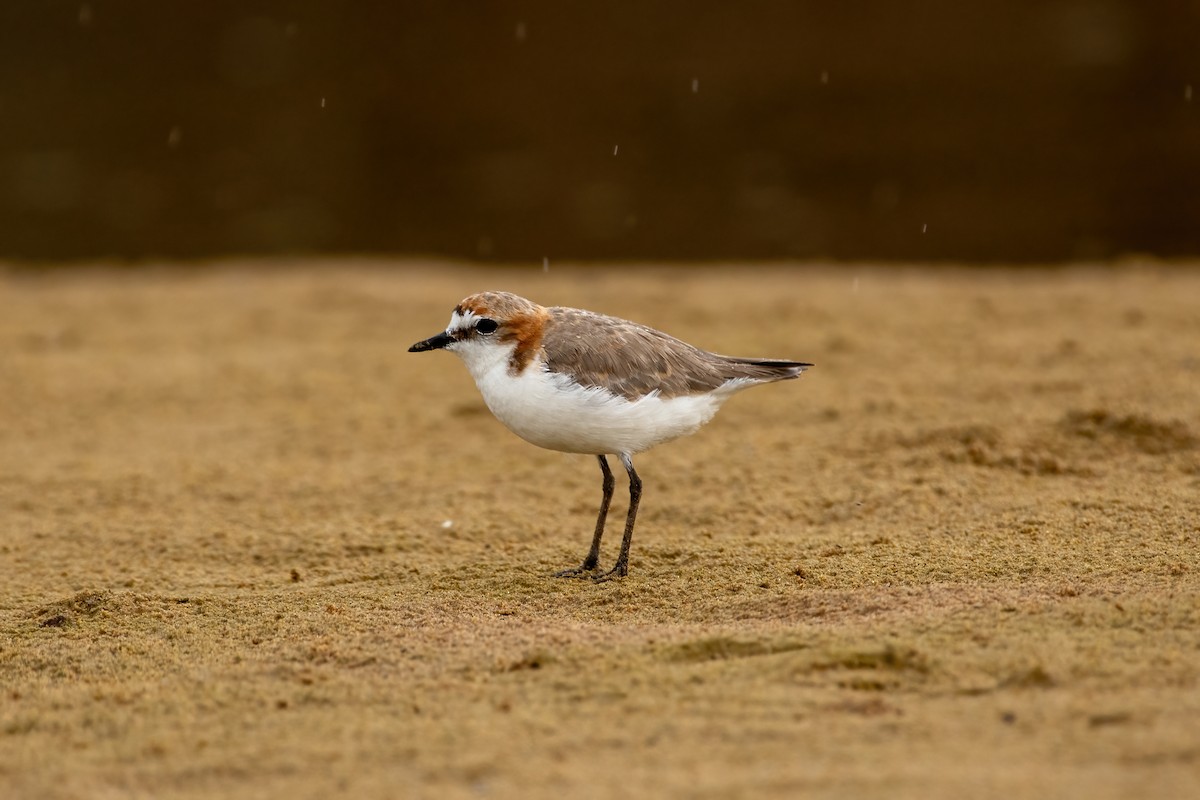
(486, 326)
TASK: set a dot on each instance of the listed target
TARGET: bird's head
(488, 326)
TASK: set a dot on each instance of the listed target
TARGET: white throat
(485, 360)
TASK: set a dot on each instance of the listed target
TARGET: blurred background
(939, 130)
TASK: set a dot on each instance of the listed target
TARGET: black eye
(486, 326)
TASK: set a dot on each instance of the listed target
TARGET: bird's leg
(621, 568)
(593, 556)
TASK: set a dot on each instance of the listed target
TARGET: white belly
(552, 411)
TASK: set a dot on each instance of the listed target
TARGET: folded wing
(632, 360)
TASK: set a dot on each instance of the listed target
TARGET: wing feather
(633, 360)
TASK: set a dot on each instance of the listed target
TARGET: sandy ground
(250, 547)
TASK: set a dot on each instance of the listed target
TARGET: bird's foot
(620, 570)
(584, 570)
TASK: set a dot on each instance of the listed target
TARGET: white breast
(552, 411)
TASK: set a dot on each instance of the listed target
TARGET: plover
(580, 382)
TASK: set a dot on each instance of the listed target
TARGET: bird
(577, 381)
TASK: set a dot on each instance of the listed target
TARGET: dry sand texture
(253, 548)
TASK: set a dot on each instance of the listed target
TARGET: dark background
(984, 130)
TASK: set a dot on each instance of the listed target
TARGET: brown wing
(633, 360)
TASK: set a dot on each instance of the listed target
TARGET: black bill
(432, 343)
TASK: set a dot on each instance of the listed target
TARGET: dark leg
(593, 556)
(621, 568)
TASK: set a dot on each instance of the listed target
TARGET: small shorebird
(580, 382)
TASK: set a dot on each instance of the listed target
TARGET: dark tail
(764, 369)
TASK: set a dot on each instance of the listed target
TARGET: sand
(253, 548)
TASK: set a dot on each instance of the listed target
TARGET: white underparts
(551, 410)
